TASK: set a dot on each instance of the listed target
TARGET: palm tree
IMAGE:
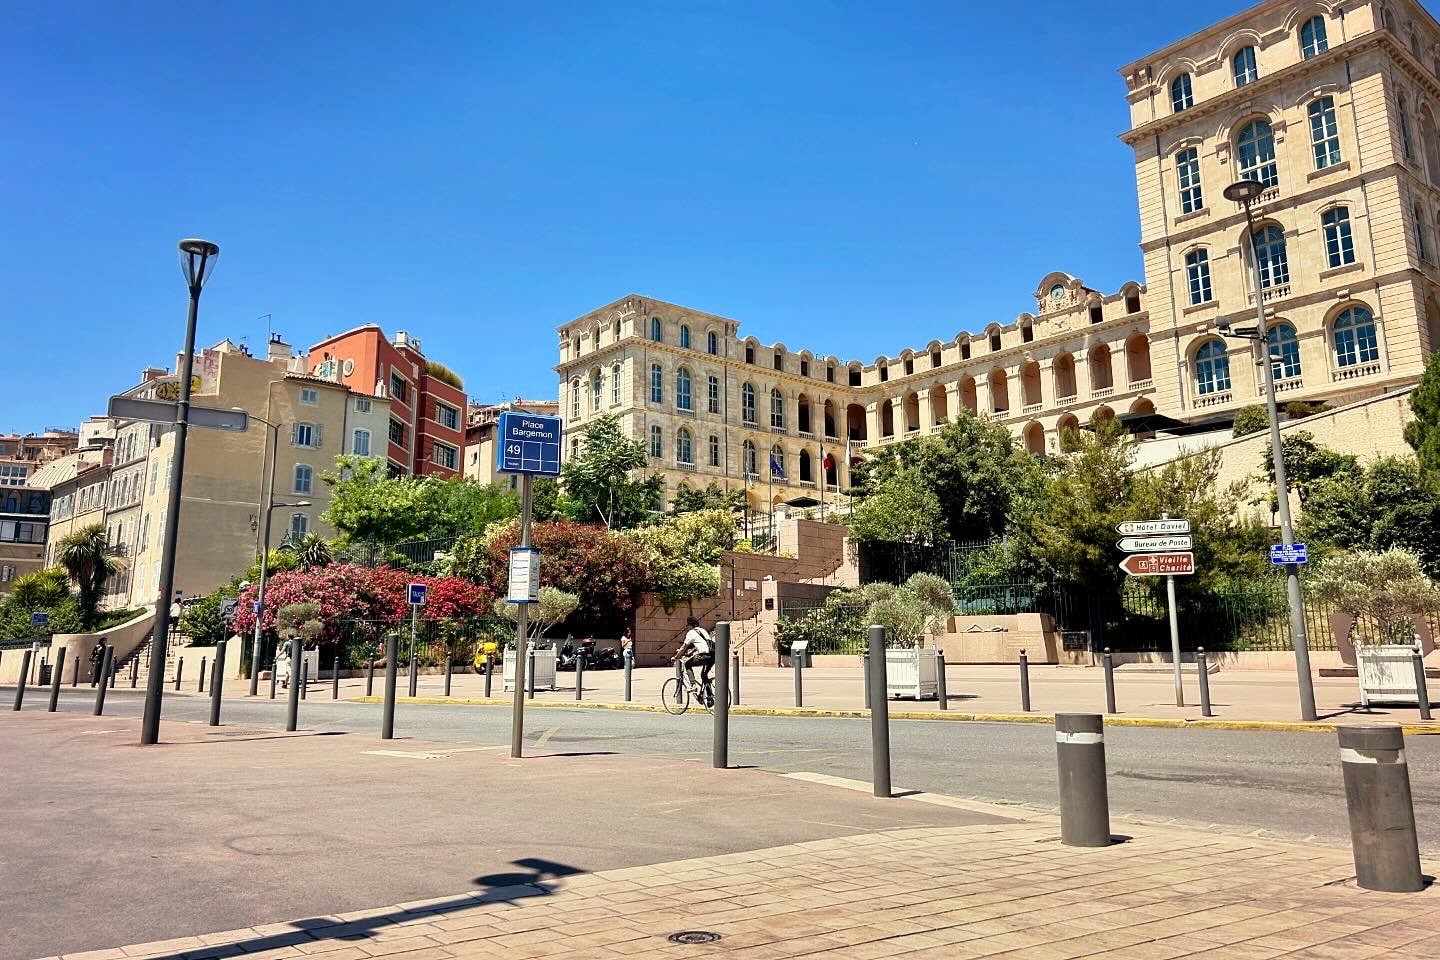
(313, 552)
(89, 561)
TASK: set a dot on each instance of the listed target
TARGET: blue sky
(852, 178)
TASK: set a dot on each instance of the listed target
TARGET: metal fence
(419, 556)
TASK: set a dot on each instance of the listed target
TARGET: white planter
(1387, 674)
(544, 669)
(910, 673)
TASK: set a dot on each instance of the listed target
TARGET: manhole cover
(693, 936)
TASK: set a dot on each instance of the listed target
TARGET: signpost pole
(522, 623)
(1174, 633)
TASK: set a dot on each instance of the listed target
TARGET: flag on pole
(849, 454)
(776, 470)
(829, 462)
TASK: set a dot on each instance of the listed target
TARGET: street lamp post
(266, 505)
(197, 260)
(1246, 192)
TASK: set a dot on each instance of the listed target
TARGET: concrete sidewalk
(1242, 697)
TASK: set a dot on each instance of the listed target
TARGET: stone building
(1330, 105)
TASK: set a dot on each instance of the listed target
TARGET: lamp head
(1244, 191)
(197, 261)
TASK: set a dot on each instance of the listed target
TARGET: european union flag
(775, 469)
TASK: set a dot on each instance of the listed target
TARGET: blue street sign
(254, 606)
(1295, 553)
(527, 443)
(417, 594)
(39, 619)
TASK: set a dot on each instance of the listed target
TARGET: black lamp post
(197, 262)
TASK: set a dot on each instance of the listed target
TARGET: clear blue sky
(845, 177)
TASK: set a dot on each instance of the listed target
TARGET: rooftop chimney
(277, 349)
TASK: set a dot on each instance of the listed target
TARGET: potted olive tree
(552, 607)
(910, 613)
(1383, 593)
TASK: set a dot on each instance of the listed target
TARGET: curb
(956, 716)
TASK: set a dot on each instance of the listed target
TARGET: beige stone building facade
(1331, 105)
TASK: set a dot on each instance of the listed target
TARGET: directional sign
(528, 443)
(1159, 544)
(417, 594)
(39, 619)
(1295, 553)
(1159, 564)
(1132, 528)
(163, 411)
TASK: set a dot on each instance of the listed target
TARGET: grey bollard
(878, 690)
(1109, 682)
(865, 669)
(304, 679)
(179, 671)
(370, 677)
(579, 677)
(720, 743)
(414, 677)
(530, 673)
(629, 665)
(1024, 682)
(217, 682)
(335, 676)
(387, 712)
(134, 672)
(449, 665)
(735, 677)
(273, 673)
(1422, 689)
(292, 701)
(200, 682)
(1382, 814)
(679, 682)
(75, 672)
(796, 665)
(107, 664)
(1084, 797)
(24, 675)
(488, 673)
(1204, 669)
(55, 680)
(112, 676)
(942, 696)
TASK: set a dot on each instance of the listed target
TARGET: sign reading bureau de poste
(527, 443)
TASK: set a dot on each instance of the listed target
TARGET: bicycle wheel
(674, 697)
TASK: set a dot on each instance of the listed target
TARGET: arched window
(1197, 271)
(1270, 256)
(657, 442)
(714, 450)
(807, 474)
(1421, 245)
(574, 399)
(682, 389)
(751, 464)
(713, 393)
(1402, 114)
(1244, 64)
(657, 383)
(1339, 245)
(1212, 368)
(684, 447)
(1312, 37)
(1256, 147)
(615, 385)
(1355, 338)
(995, 341)
(712, 342)
(685, 336)
(1284, 352)
(749, 353)
(1324, 133)
(747, 403)
(597, 390)
(655, 329)
(1187, 174)
(777, 462)
(1181, 97)
(777, 409)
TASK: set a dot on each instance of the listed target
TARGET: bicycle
(676, 694)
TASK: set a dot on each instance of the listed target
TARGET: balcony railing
(1277, 292)
(1282, 385)
(1355, 371)
(1032, 408)
(1100, 393)
(1146, 384)
(1068, 398)
(1212, 399)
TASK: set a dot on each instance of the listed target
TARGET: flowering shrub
(605, 569)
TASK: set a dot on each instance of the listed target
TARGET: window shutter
(294, 434)
(319, 435)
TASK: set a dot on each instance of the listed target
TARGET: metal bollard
(112, 676)
(878, 689)
(107, 665)
(629, 665)
(488, 674)
(720, 741)
(449, 665)
(134, 672)
(370, 677)
(179, 671)
(1422, 690)
(1109, 682)
(679, 682)
(941, 694)
(530, 664)
(24, 676)
(579, 676)
(304, 679)
(865, 669)
(1084, 798)
(1204, 669)
(55, 680)
(273, 673)
(1024, 682)
(335, 677)
(1382, 813)
(200, 684)
(735, 677)
(217, 682)
(414, 677)
(796, 664)
(387, 712)
(75, 672)
(292, 700)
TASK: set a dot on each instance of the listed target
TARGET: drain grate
(693, 936)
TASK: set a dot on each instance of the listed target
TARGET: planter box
(544, 669)
(1387, 674)
(910, 673)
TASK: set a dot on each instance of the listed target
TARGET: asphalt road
(1286, 784)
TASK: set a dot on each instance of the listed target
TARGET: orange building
(427, 400)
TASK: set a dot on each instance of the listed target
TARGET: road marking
(545, 737)
(405, 754)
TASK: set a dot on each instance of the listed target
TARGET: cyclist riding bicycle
(697, 650)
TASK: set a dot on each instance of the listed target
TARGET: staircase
(142, 655)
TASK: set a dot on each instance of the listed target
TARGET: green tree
(601, 485)
(368, 505)
(40, 590)
(1391, 503)
(89, 562)
(1387, 588)
(712, 496)
(1306, 463)
(313, 552)
(1423, 432)
(553, 606)
(1251, 419)
(682, 554)
(901, 507)
(299, 620)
